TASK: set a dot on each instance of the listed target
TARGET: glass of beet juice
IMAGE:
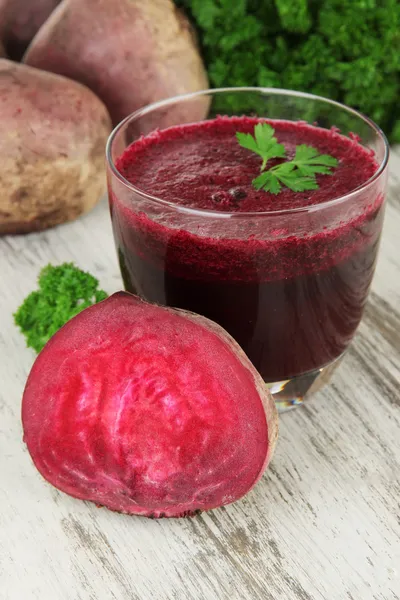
(286, 274)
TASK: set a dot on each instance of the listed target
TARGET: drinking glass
(289, 285)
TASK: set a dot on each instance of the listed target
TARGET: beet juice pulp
(288, 281)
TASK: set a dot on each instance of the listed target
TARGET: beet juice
(286, 279)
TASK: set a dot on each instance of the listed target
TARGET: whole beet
(147, 410)
(129, 52)
(20, 20)
(52, 137)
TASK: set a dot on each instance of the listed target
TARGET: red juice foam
(290, 287)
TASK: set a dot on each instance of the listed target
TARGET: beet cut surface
(147, 410)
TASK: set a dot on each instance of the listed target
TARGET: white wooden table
(324, 522)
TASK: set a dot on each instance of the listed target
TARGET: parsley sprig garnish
(298, 174)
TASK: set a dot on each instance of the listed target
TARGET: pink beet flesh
(147, 410)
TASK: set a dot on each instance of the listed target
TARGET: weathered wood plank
(322, 524)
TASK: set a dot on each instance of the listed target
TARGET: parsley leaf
(299, 174)
(264, 143)
(309, 162)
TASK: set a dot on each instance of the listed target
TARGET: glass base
(293, 392)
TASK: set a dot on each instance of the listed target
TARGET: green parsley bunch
(347, 50)
(63, 292)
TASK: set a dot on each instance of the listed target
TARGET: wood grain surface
(323, 523)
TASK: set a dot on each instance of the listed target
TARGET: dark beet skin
(293, 302)
(20, 20)
(52, 136)
(128, 52)
(147, 411)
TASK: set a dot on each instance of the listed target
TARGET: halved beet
(147, 410)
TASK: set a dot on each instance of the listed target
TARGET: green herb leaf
(309, 154)
(268, 182)
(299, 174)
(299, 184)
(64, 291)
(264, 143)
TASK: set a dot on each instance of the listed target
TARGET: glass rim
(232, 214)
